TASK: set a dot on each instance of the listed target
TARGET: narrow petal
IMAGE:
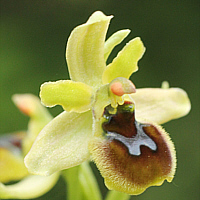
(160, 105)
(132, 156)
(102, 99)
(85, 50)
(31, 187)
(113, 41)
(126, 61)
(63, 141)
(73, 96)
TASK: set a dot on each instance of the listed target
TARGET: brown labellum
(133, 156)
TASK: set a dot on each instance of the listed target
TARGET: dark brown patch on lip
(147, 167)
(123, 127)
(122, 122)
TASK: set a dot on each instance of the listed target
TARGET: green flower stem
(74, 191)
(81, 183)
(88, 182)
(114, 195)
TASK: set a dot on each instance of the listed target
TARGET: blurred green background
(32, 51)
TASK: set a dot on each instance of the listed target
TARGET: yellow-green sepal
(160, 105)
(30, 187)
(114, 40)
(126, 61)
(85, 50)
(12, 166)
(63, 141)
(30, 105)
(72, 96)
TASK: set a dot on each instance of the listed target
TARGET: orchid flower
(106, 119)
(13, 148)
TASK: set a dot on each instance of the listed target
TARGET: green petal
(85, 50)
(126, 61)
(73, 96)
(114, 40)
(30, 105)
(160, 105)
(101, 101)
(31, 187)
(62, 144)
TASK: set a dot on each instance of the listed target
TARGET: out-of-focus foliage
(33, 35)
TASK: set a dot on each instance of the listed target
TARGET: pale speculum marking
(133, 144)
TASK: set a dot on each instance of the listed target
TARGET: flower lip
(134, 156)
(12, 142)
